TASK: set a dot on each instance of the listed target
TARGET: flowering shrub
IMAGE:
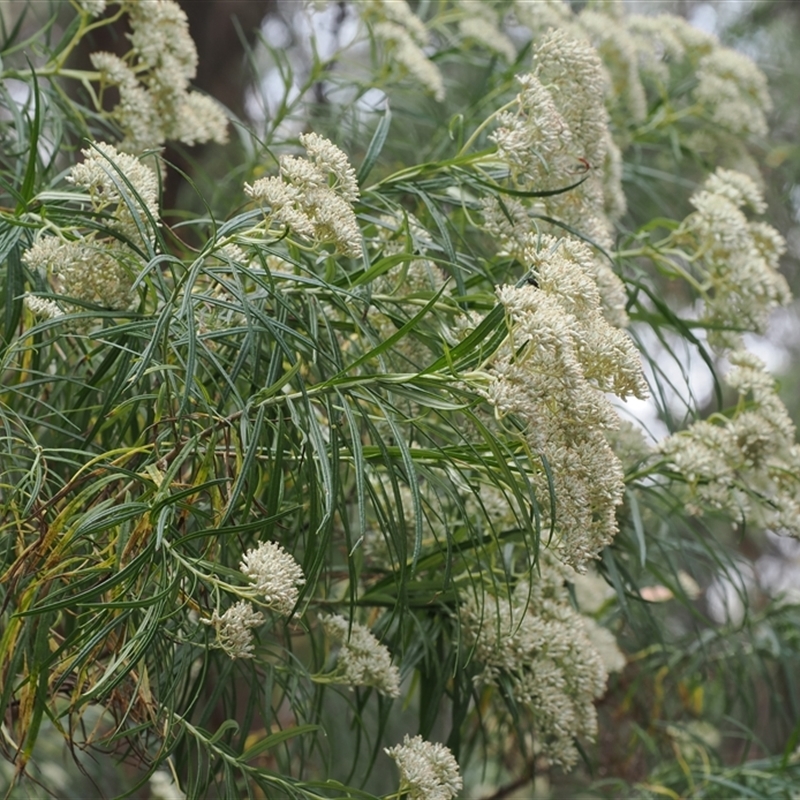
(340, 459)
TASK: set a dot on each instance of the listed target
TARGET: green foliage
(389, 402)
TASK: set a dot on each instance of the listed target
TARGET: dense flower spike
(275, 576)
(90, 268)
(605, 643)
(136, 113)
(535, 640)
(233, 628)
(574, 75)
(480, 24)
(734, 91)
(557, 136)
(119, 186)
(534, 139)
(729, 463)
(736, 259)
(362, 659)
(95, 271)
(561, 357)
(42, 307)
(428, 771)
(400, 13)
(621, 58)
(161, 40)
(155, 103)
(313, 197)
(404, 35)
(331, 161)
(405, 52)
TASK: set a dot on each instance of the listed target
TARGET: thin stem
(477, 132)
(84, 28)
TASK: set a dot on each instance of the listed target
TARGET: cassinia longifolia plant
(334, 472)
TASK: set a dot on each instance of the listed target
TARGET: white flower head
(42, 307)
(606, 645)
(119, 185)
(484, 32)
(334, 221)
(739, 258)
(734, 90)
(428, 770)
(412, 57)
(400, 13)
(749, 453)
(234, 634)
(136, 113)
(539, 646)
(275, 575)
(737, 187)
(362, 660)
(332, 161)
(561, 357)
(160, 36)
(200, 119)
(302, 198)
(94, 8)
(92, 271)
(155, 103)
(283, 201)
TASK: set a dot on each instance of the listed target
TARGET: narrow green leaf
(638, 527)
(34, 129)
(275, 739)
(375, 145)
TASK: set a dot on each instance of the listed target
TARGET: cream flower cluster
(541, 16)
(95, 271)
(561, 357)
(90, 268)
(605, 643)
(727, 461)
(234, 629)
(404, 35)
(733, 91)
(535, 640)
(643, 54)
(621, 58)
(534, 139)
(93, 7)
(730, 92)
(275, 576)
(120, 187)
(428, 770)
(557, 136)
(737, 260)
(516, 235)
(480, 24)
(362, 659)
(42, 307)
(155, 102)
(574, 75)
(313, 196)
